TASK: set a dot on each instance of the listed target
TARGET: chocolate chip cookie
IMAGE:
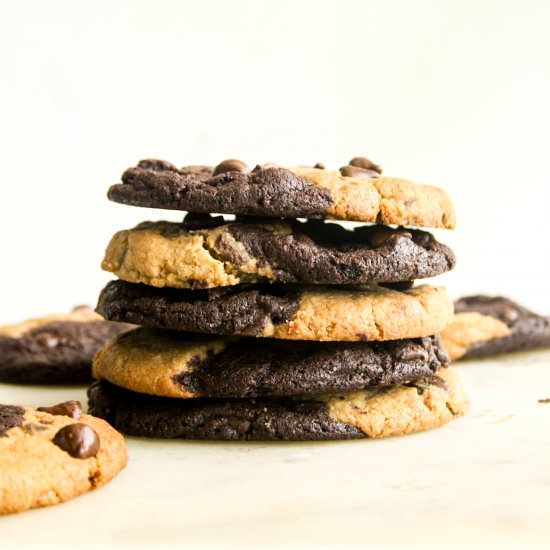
(57, 349)
(491, 325)
(353, 193)
(370, 312)
(51, 454)
(190, 256)
(186, 365)
(371, 412)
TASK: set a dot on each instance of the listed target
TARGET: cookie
(351, 193)
(173, 255)
(485, 326)
(51, 455)
(293, 312)
(371, 412)
(57, 349)
(176, 364)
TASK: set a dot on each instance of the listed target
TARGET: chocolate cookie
(485, 325)
(57, 349)
(372, 412)
(176, 364)
(52, 454)
(352, 193)
(170, 254)
(294, 312)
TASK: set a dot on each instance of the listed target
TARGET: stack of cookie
(264, 327)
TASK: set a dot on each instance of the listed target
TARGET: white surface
(482, 481)
(453, 93)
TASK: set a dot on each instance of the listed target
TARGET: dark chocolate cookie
(165, 254)
(352, 193)
(487, 325)
(293, 312)
(372, 412)
(175, 364)
(54, 350)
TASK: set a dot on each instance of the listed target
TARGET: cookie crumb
(545, 400)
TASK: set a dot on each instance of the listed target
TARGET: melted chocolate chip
(79, 440)
(72, 409)
(364, 162)
(230, 165)
(356, 172)
(319, 166)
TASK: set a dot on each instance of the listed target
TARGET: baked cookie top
(356, 192)
(490, 325)
(371, 412)
(55, 349)
(185, 365)
(51, 454)
(294, 312)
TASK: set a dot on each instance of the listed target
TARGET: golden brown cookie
(292, 312)
(372, 412)
(49, 457)
(185, 255)
(353, 193)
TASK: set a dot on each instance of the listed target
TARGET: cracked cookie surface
(56, 349)
(295, 312)
(491, 325)
(272, 191)
(35, 467)
(173, 364)
(172, 255)
(372, 412)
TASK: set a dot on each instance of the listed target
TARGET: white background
(453, 93)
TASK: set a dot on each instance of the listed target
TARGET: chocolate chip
(319, 166)
(510, 314)
(425, 383)
(157, 165)
(381, 233)
(196, 170)
(72, 409)
(47, 340)
(356, 172)
(79, 440)
(202, 221)
(415, 354)
(230, 165)
(425, 240)
(364, 162)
